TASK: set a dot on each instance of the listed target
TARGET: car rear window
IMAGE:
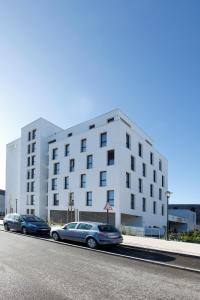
(107, 228)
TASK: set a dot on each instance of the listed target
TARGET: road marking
(109, 253)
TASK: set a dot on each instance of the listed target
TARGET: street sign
(108, 206)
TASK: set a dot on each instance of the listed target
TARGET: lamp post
(168, 195)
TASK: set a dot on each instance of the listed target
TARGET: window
(151, 190)
(32, 211)
(34, 134)
(110, 120)
(67, 150)
(110, 197)
(33, 160)
(140, 185)
(28, 174)
(84, 226)
(70, 226)
(32, 173)
(128, 184)
(89, 199)
(28, 161)
(111, 157)
(163, 210)
(55, 200)
(103, 178)
(144, 169)
(27, 187)
(154, 207)
(71, 199)
(83, 145)
(128, 141)
(89, 161)
(33, 147)
(151, 158)
(143, 204)
(54, 153)
(154, 176)
(163, 181)
(92, 126)
(72, 165)
(140, 150)
(69, 134)
(132, 163)
(27, 211)
(32, 186)
(29, 136)
(132, 201)
(160, 194)
(29, 149)
(103, 139)
(160, 164)
(56, 168)
(66, 182)
(83, 180)
(32, 199)
(54, 184)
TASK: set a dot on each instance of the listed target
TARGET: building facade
(181, 220)
(2, 203)
(71, 174)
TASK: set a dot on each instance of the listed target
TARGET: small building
(193, 207)
(2, 203)
(181, 220)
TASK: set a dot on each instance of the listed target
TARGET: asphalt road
(35, 269)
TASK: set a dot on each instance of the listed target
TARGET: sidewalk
(162, 245)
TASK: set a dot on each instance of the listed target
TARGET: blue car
(25, 224)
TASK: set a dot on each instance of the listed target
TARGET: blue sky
(68, 61)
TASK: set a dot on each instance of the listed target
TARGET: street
(36, 269)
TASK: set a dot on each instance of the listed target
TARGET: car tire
(55, 236)
(24, 230)
(91, 243)
(6, 227)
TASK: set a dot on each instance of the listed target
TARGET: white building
(105, 159)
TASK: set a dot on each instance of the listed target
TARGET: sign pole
(107, 216)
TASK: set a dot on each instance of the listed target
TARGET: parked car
(25, 224)
(91, 233)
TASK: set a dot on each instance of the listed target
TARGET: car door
(69, 232)
(16, 223)
(82, 231)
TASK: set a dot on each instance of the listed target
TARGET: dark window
(103, 139)
(71, 199)
(33, 160)
(72, 165)
(128, 183)
(84, 226)
(89, 199)
(132, 163)
(107, 228)
(154, 207)
(111, 157)
(132, 201)
(110, 197)
(32, 199)
(92, 126)
(66, 182)
(89, 161)
(154, 176)
(110, 120)
(28, 174)
(69, 134)
(83, 180)
(143, 204)
(54, 153)
(56, 168)
(163, 180)
(33, 147)
(55, 200)
(32, 173)
(27, 187)
(67, 150)
(160, 194)
(54, 184)
(29, 136)
(103, 178)
(163, 210)
(34, 134)
(151, 158)
(29, 149)
(140, 185)
(128, 141)
(144, 169)
(151, 190)
(28, 161)
(160, 164)
(32, 186)
(140, 150)
(83, 145)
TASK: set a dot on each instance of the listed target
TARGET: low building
(2, 202)
(181, 220)
(192, 207)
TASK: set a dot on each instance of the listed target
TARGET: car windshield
(107, 228)
(31, 219)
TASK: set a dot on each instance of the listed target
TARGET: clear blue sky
(68, 61)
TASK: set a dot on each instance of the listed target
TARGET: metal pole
(167, 236)
(107, 216)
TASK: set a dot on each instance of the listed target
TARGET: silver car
(91, 233)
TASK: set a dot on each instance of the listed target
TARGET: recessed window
(27, 187)
(128, 180)
(34, 134)
(29, 149)
(154, 176)
(33, 160)
(54, 153)
(160, 164)
(144, 204)
(163, 181)
(67, 150)
(160, 194)
(32, 173)
(33, 147)
(83, 145)
(128, 141)
(110, 120)
(69, 134)
(151, 158)
(132, 201)
(132, 163)
(72, 165)
(32, 200)
(28, 161)
(103, 139)
(89, 199)
(66, 182)
(92, 126)
(55, 200)
(151, 190)
(140, 150)
(154, 207)
(110, 197)
(71, 199)
(27, 211)
(56, 168)
(103, 178)
(140, 188)
(29, 136)
(28, 175)
(83, 181)
(32, 186)
(54, 184)
(89, 162)
(163, 210)
(144, 169)
(111, 157)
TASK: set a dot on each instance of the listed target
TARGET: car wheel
(6, 227)
(91, 243)
(24, 230)
(55, 236)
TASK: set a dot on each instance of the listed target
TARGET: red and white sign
(108, 206)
